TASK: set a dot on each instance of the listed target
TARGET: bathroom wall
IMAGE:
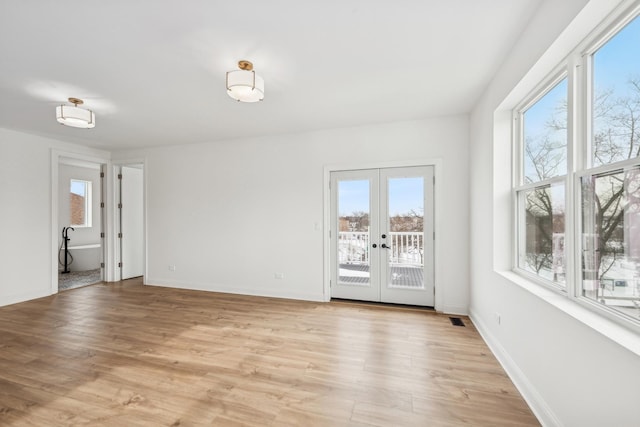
(84, 259)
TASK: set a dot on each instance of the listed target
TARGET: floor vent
(456, 321)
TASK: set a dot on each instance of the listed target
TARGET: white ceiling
(154, 70)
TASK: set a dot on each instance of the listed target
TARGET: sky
(535, 123)
(405, 194)
(78, 187)
(618, 59)
(614, 64)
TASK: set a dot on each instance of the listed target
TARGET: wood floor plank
(127, 354)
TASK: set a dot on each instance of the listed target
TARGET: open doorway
(80, 254)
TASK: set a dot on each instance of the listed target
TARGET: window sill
(619, 334)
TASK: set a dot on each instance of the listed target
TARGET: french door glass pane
(406, 232)
(611, 239)
(542, 252)
(353, 232)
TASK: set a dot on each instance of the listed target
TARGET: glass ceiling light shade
(244, 85)
(74, 116)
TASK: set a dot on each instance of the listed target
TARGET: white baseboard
(535, 401)
(454, 309)
(212, 287)
(16, 298)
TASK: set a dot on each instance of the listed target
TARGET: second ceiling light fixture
(244, 85)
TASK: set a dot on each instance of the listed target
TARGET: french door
(382, 235)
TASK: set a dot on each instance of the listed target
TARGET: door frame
(111, 270)
(326, 241)
(56, 156)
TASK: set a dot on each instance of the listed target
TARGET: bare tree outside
(616, 133)
(605, 156)
(545, 157)
(610, 201)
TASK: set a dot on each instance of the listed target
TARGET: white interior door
(382, 235)
(132, 222)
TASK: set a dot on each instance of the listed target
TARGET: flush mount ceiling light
(74, 116)
(244, 85)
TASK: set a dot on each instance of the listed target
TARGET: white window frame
(577, 68)
(519, 186)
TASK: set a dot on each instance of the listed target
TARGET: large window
(541, 192)
(578, 181)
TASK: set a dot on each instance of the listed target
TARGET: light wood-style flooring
(125, 354)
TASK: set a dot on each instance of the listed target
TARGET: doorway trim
(326, 242)
(56, 156)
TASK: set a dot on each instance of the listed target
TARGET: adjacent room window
(601, 184)
(80, 203)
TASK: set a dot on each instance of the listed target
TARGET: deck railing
(406, 248)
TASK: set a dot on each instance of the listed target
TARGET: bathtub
(85, 257)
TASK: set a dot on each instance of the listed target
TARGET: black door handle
(384, 245)
(384, 236)
(374, 246)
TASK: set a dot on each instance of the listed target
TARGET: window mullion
(586, 113)
(575, 144)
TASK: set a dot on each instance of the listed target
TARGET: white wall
(25, 214)
(230, 214)
(571, 374)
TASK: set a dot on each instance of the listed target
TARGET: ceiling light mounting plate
(76, 101)
(245, 65)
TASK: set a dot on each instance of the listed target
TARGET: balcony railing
(407, 248)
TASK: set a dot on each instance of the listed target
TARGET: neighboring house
(77, 204)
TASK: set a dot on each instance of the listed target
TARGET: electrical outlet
(278, 275)
(172, 268)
